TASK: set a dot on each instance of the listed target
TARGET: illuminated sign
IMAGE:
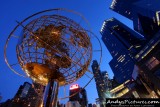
(75, 86)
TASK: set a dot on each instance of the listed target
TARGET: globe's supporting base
(50, 94)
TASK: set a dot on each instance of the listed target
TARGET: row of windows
(151, 63)
(121, 58)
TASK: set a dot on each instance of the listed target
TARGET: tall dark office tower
(117, 36)
(35, 95)
(78, 94)
(123, 7)
(144, 13)
(73, 91)
(123, 44)
(84, 100)
(147, 17)
(122, 66)
(100, 85)
(23, 90)
(20, 99)
(26, 96)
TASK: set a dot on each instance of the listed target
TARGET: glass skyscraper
(145, 14)
(123, 7)
(123, 44)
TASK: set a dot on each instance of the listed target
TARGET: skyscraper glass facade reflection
(122, 66)
(145, 14)
(123, 44)
(123, 7)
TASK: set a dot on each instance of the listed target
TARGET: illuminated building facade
(23, 90)
(26, 96)
(149, 65)
(130, 89)
(78, 94)
(107, 80)
(123, 44)
(145, 14)
(100, 85)
(122, 70)
(122, 91)
(117, 36)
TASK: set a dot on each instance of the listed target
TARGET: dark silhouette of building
(114, 83)
(149, 64)
(84, 100)
(74, 93)
(90, 105)
(100, 85)
(26, 96)
(78, 94)
(123, 44)
(145, 14)
(23, 90)
(107, 80)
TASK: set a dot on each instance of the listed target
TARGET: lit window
(121, 58)
(137, 46)
(151, 63)
(116, 66)
(158, 17)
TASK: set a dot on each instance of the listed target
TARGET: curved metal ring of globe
(54, 47)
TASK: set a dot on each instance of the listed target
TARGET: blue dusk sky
(95, 11)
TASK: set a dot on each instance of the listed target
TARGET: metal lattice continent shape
(54, 47)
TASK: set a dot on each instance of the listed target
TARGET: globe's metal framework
(53, 48)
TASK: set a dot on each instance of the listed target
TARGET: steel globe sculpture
(52, 49)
